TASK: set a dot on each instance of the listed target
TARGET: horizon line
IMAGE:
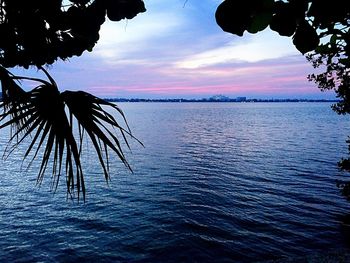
(212, 99)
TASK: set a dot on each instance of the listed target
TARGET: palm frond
(99, 125)
(40, 114)
(13, 98)
(42, 111)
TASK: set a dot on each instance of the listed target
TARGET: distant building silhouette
(220, 98)
(241, 99)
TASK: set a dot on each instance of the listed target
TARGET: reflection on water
(215, 182)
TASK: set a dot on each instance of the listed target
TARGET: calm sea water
(215, 182)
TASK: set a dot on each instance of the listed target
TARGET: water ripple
(215, 183)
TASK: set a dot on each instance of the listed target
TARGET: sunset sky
(176, 49)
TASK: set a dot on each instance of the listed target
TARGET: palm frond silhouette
(47, 116)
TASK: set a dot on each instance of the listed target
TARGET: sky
(176, 50)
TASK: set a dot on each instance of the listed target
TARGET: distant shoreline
(221, 101)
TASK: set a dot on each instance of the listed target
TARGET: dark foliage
(37, 33)
(319, 28)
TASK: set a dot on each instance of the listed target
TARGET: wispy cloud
(141, 35)
(260, 47)
(118, 41)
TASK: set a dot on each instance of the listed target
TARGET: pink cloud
(278, 77)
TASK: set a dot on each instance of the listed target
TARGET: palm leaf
(41, 112)
(99, 125)
(13, 98)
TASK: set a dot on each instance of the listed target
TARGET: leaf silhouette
(98, 124)
(41, 112)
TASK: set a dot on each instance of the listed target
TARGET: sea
(214, 182)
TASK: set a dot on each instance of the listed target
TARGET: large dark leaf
(120, 9)
(305, 38)
(285, 25)
(233, 16)
(259, 22)
(284, 21)
(236, 17)
(261, 14)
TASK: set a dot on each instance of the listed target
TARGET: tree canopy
(320, 29)
(37, 33)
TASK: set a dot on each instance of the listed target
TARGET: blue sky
(176, 49)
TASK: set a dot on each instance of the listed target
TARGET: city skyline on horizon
(220, 97)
